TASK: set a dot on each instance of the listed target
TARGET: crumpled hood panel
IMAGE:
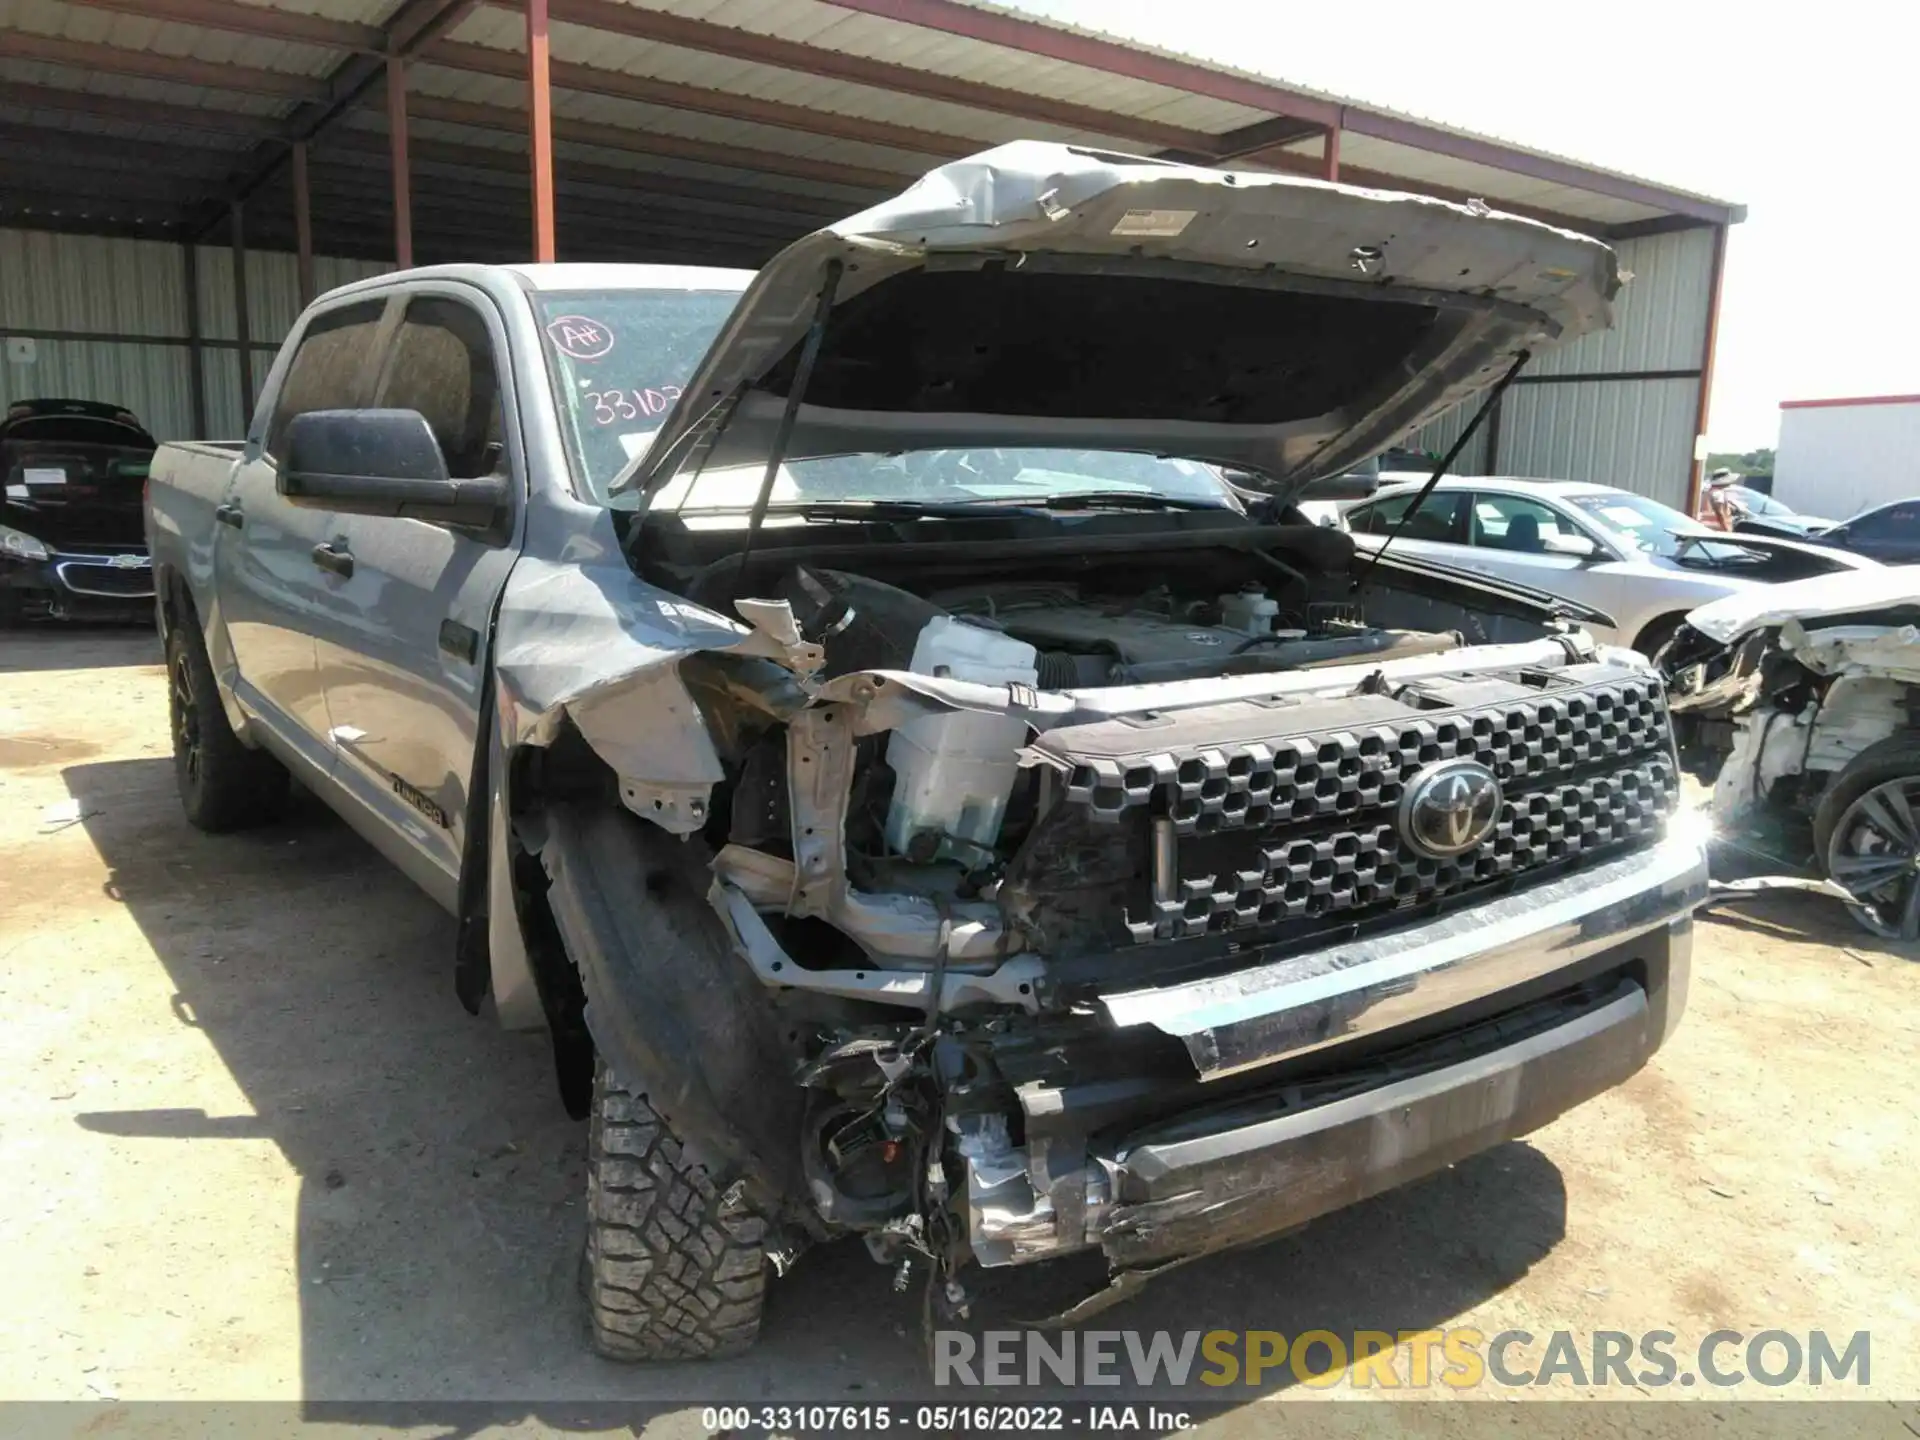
(1043, 294)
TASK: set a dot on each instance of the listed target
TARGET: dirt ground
(251, 1147)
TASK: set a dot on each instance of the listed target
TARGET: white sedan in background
(1644, 563)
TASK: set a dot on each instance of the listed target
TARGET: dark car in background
(71, 539)
(1888, 533)
(1756, 512)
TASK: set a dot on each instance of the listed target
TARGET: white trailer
(1839, 457)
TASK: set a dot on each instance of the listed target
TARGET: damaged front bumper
(1388, 1064)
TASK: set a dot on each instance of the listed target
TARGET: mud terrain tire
(671, 1273)
(223, 784)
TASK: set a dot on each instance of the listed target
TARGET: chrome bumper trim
(1302, 1003)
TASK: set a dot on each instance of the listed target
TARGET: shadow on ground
(77, 645)
(439, 1226)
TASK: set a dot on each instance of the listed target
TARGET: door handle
(334, 557)
(228, 514)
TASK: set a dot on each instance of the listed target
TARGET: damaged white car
(1801, 704)
(846, 708)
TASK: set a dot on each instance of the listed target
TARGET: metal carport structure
(352, 134)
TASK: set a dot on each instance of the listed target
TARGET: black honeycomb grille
(1305, 826)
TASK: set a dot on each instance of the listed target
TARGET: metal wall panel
(273, 289)
(1637, 434)
(91, 283)
(153, 381)
(1437, 438)
(1659, 317)
(226, 418)
(103, 286)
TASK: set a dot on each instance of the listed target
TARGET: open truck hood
(1048, 295)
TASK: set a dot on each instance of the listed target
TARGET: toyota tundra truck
(884, 718)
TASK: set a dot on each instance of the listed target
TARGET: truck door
(270, 588)
(405, 658)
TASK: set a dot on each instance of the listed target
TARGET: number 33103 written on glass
(612, 406)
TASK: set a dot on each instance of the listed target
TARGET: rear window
(78, 430)
(619, 359)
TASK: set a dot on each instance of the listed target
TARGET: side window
(1438, 519)
(1512, 522)
(1896, 522)
(442, 365)
(329, 370)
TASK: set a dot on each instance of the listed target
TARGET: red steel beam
(140, 112)
(1014, 32)
(397, 151)
(1092, 52)
(1256, 139)
(481, 198)
(540, 130)
(675, 147)
(1330, 155)
(1697, 463)
(83, 176)
(685, 33)
(809, 212)
(53, 198)
(1291, 162)
(37, 145)
(181, 70)
(302, 224)
(671, 95)
(251, 20)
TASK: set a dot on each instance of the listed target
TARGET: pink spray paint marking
(580, 337)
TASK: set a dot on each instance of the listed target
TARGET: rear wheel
(1867, 834)
(673, 1272)
(223, 784)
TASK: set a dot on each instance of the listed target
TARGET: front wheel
(673, 1271)
(1867, 833)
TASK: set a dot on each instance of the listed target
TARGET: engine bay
(974, 773)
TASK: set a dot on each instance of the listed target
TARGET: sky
(1809, 115)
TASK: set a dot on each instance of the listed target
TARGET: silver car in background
(1644, 563)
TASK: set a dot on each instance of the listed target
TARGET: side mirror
(1577, 546)
(381, 462)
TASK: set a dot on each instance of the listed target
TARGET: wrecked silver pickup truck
(1801, 704)
(849, 709)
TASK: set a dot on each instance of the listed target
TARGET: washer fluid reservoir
(953, 773)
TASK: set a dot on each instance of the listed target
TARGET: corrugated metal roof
(794, 7)
(832, 28)
(844, 29)
(163, 37)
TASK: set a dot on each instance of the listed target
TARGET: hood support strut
(1446, 462)
(796, 396)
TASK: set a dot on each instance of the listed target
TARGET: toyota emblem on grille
(1449, 808)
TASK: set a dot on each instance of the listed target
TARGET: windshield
(618, 360)
(1756, 503)
(985, 477)
(1638, 523)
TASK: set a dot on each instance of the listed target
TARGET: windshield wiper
(1114, 500)
(983, 504)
